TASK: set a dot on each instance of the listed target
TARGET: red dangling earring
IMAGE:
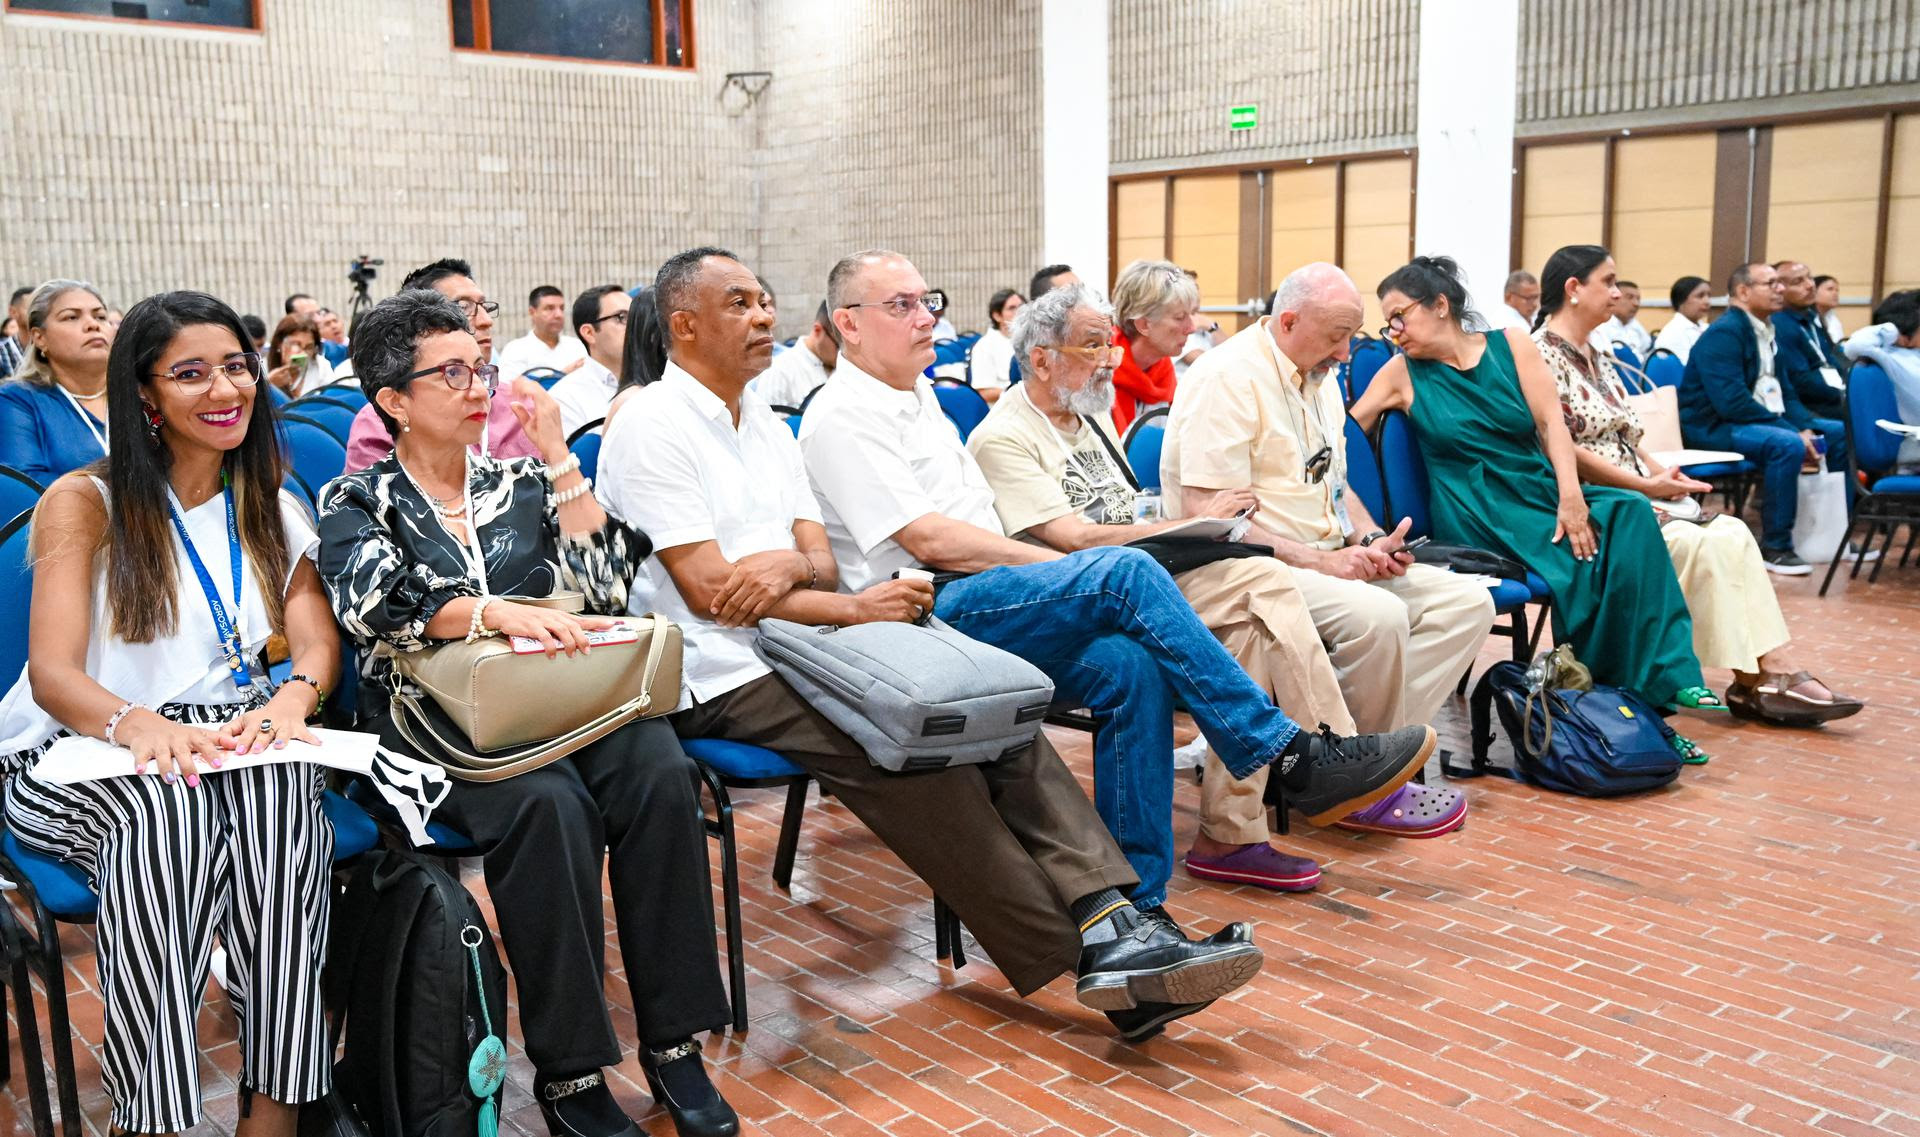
(154, 421)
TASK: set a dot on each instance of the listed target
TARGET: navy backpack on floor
(1601, 742)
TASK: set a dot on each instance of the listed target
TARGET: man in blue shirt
(1809, 361)
(1734, 397)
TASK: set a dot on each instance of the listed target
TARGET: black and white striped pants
(249, 855)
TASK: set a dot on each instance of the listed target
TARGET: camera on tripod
(362, 271)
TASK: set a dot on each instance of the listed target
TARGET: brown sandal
(1773, 699)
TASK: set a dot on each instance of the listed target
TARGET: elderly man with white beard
(1059, 480)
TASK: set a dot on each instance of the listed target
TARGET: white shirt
(1831, 321)
(1504, 315)
(1678, 336)
(584, 395)
(1633, 334)
(791, 377)
(676, 468)
(1766, 385)
(990, 364)
(879, 458)
(943, 330)
(526, 353)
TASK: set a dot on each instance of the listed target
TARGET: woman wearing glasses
(1503, 476)
(53, 414)
(425, 546)
(159, 574)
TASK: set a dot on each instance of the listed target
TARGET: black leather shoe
(1341, 775)
(678, 1081)
(1149, 1019)
(582, 1107)
(1154, 963)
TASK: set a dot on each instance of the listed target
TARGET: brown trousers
(1008, 845)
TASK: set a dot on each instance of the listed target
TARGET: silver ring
(266, 726)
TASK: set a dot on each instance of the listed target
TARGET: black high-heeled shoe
(678, 1081)
(582, 1107)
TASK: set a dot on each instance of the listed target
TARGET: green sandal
(1696, 699)
(1689, 753)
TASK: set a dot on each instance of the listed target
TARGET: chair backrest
(276, 396)
(1870, 398)
(313, 455)
(1143, 452)
(545, 376)
(346, 394)
(597, 426)
(16, 586)
(1368, 356)
(587, 446)
(1665, 368)
(334, 418)
(1363, 471)
(1404, 474)
(18, 493)
(963, 405)
(1626, 355)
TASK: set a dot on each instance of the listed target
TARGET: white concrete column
(1074, 148)
(1464, 204)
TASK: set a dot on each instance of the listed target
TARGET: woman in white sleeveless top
(159, 574)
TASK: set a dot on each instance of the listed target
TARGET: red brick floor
(1739, 953)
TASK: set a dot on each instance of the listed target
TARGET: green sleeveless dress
(1493, 487)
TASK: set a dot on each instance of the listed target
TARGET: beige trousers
(1253, 606)
(1736, 616)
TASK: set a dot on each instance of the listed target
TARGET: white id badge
(1832, 376)
(1340, 510)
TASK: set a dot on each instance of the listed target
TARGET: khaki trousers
(1397, 646)
(1736, 615)
(1008, 845)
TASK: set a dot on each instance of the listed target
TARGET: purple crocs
(1413, 810)
(1261, 865)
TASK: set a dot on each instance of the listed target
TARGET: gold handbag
(489, 714)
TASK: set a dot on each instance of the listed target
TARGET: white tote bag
(1820, 523)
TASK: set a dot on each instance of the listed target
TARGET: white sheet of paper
(74, 759)
(1212, 528)
(1671, 458)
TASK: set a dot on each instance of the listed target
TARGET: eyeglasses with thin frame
(1100, 355)
(900, 307)
(619, 317)
(196, 375)
(490, 307)
(460, 376)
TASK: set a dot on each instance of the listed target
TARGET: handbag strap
(491, 770)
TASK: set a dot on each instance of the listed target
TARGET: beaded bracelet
(113, 723)
(555, 473)
(583, 489)
(476, 629)
(310, 681)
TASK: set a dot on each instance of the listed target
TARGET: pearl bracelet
(475, 628)
(113, 723)
(583, 489)
(555, 473)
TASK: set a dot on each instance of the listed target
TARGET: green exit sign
(1243, 118)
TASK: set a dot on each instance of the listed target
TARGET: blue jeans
(1779, 453)
(1113, 632)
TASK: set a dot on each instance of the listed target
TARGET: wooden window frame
(483, 38)
(255, 19)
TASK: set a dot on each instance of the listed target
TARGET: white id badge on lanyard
(1340, 509)
(1832, 376)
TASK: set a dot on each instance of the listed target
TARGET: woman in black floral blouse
(419, 548)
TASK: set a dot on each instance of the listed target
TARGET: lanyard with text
(228, 626)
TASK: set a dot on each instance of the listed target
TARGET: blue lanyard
(230, 644)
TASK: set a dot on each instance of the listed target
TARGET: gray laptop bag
(915, 697)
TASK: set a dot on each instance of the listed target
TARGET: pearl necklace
(439, 505)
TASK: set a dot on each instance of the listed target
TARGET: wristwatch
(1370, 538)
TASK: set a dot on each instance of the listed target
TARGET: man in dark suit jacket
(1733, 397)
(1809, 362)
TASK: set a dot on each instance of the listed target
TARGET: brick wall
(252, 165)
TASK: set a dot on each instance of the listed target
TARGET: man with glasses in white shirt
(600, 320)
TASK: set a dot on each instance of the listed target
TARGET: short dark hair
(673, 284)
(256, 329)
(1742, 275)
(1625, 284)
(998, 303)
(541, 293)
(823, 316)
(1042, 282)
(1823, 278)
(18, 294)
(426, 276)
(586, 306)
(1424, 280)
(287, 307)
(1901, 309)
(1683, 288)
(387, 340)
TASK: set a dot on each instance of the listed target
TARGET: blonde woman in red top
(1154, 303)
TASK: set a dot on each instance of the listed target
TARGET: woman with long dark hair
(644, 358)
(159, 574)
(53, 414)
(1502, 468)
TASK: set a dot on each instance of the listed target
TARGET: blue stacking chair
(1626, 355)
(314, 457)
(335, 418)
(963, 405)
(1890, 500)
(275, 395)
(1404, 481)
(1145, 438)
(545, 376)
(56, 892)
(1665, 368)
(18, 493)
(1366, 356)
(587, 446)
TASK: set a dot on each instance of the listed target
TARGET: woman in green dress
(1501, 467)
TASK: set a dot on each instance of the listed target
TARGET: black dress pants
(541, 836)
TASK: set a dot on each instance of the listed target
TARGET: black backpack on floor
(1601, 742)
(400, 971)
